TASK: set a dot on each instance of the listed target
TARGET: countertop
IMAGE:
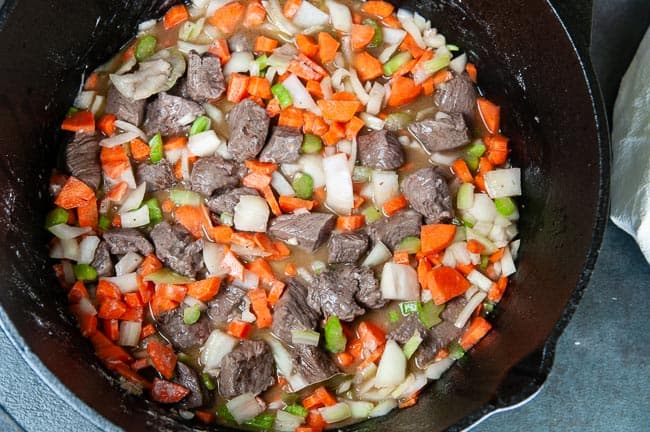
(601, 373)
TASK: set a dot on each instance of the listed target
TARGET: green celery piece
(477, 148)
(311, 144)
(222, 412)
(72, 111)
(361, 174)
(396, 62)
(456, 351)
(429, 314)
(410, 245)
(84, 272)
(412, 345)
(378, 38)
(505, 206)
(485, 261)
(155, 212)
(437, 63)
(282, 95)
(303, 185)
(56, 217)
(200, 124)
(261, 62)
(191, 314)
(185, 197)
(105, 222)
(165, 275)
(397, 121)
(208, 382)
(156, 149)
(297, 410)
(145, 47)
(263, 421)
(372, 214)
(335, 340)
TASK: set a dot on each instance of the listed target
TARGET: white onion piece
(483, 227)
(410, 385)
(502, 183)
(281, 185)
(360, 409)
(312, 164)
(245, 407)
(346, 50)
(435, 370)
(146, 25)
(483, 208)
(213, 255)
(284, 421)
(337, 79)
(84, 99)
(251, 214)
(133, 199)
(458, 64)
(135, 218)
(514, 248)
(215, 114)
(285, 364)
(371, 121)
(128, 177)
(129, 333)
(275, 15)
(392, 366)
(421, 22)
(98, 105)
(215, 349)
(299, 94)
(379, 254)
(385, 186)
(460, 252)
(87, 248)
(375, 99)
(119, 139)
(326, 88)
(238, 62)
(338, 184)
(388, 52)
(469, 308)
(126, 283)
(66, 232)
(406, 19)
(341, 16)
(186, 47)
(128, 263)
(448, 259)
(309, 15)
(191, 301)
(383, 408)
(246, 314)
(490, 247)
(70, 249)
(392, 36)
(204, 143)
(335, 413)
(56, 249)
(446, 158)
(399, 282)
(126, 66)
(270, 73)
(480, 280)
(507, 263)
(128, 127)
(357, 87)
(86, 307)
(151, 78)
(250, 281)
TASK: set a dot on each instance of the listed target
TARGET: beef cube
(188, 378)
(176, 248)
(183, 336)
(124, 108)
(428, 193)
(309, 230)
(205, 79)
(347, 247)
(368, 293)
(225, 305)
(248, 368)
(283, 146)
(312, 363)
(380, 150)
(158, 176)
(444, 132)
(407, 328)
(171, 115)
(457, 95)
(292, 312)
(392, 230)
(249, 124)
(212, 173)
(124, 240)
(102, 261)
(226, 202)
(180, 89)
(82, 158)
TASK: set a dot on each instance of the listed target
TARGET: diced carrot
(262, 269)
(372, 356)
(88, 214)
(237, 87)
(340, 111)
(409, 44)
(227, 18)
(377, 8)
(368, 67)
(106, 291)
(344, 359)
(371, 335)
(162, 358)
(436, 237)
(106, 350)
(111, 309)
(267, 192)
(239, 329)
(233, 265)
(462, 171)
(291, 8)
(127, 373)
(316, 421)
(424, 267)
(401, 258)
(87, 322)
(410, 400)
(173, 292)
(111, 328)
(350, 223)
(260, 87)
(391, 21)
(478, 328)
(205, 289)
(429, 86)
(132, 299)
(161, 304)
(314, 89)
(92, 81)
(77, 292)
(256, 181)
(167, 392)
(277, 288)
(289, 204)
(394, 205)
(307, 70)
(114, 160)
(117, 192)
(470, 68)
(361, 36)
(139, 149)
(290, 269)
(320, 397)
(106, 124)
(81, 121)
(475, 246)
(206, 417)
(74, 193)
(304, 429)
(403, 91)
(260, 306)
(255, 14)
(406, 68)
(265, 44)
(292, 117)
(306, 45)
(496, 256)
(133, 314)
(490, 114)
(334, 134)
(264, 168)
(353, 127)
(445, 283)
(175, 16)
(150, 264)
(117, 221)
(327, 47)
(465, 269)
(497, 149)
(498, 289)
(192, 218)
(264, 242)
(484, 165)
(358, 201)
(219, 48)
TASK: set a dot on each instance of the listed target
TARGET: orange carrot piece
(377, 8)
(340, 111)
(292, 117)
(353, 127)
(77, 292)
(106, 124)
(260, 306)
(260, 87)
(92, 80)
(490, 114)
(173, 292)
(81, 121)
(367, 66)
(273, 108)
(219, 48)
(150, 264)
(361, 36)
(498, 289)
(314, 89)
(391, 21)
(403, 91)
(111, 309)
(237, 87)
(161, 304)
(344, 359)
(496, 256)
(465, 269)
(409, 44)
(205, 289)
(239, 329)
(227, 18)
(306, 45)
(350, 223)
(291, 8)
(394, 205)
(277, 288)
(315, 421)
(290, 204)
(478, 328)
(262, 269)
(174, 16)
(327, 47)
(132, 299)
(139, 149)
(401, 258)
(497, 149)
(436, 237)
(265, 44)
(162, 358)
(107, 350)
(147, 331)
(88, 215)
(273, 203)
(290, 269)
(411, 400)
(334, 134)
(462, 171)
(470, 68)
(424, 267)
(264, 168)
(371, 335)
(106, 291)
(442, 77)
(255, 14)
(205, 416)
(445, 283)
(233, 265)
(87, 322)
(192, 218)
(256, 180)
(475, 246)
(114, 160)
(74, 193)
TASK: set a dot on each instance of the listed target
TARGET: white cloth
(630, 185)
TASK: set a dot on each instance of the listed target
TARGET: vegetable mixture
(284, 215)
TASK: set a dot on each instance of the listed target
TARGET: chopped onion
(98, 105)
(392, 36)
(498, 235)
(383, 408)
(239, 62)
(215, 114)
(433, 39)
(326, 88)
(375, 99)
(341, 16)
(359, 91)
(215, 349)
(128, 263)
(275, 15)
(483, 208)
(399, 282)
(70, 249)
(285, 364)
(250, 281)
(410, 385)
(469, 308)
(213, 255)
(245, 407)
(126, 283)
(193, 302)
(66, 232)
(392, 366)
(151, 78)
(309, 15)
(385, 186)
(127, 177)
(249, 251)
(146, 25)
(135, 218)
(281, 185)
(299, 94)
(448, 259)
(251, 214)
(313, 165)
(379, 254)
(246, 314)
(421, 22)
(126, 66)
(480, 280)
(371, 121)
(360, 409)
(133, 199)
(483, 227)
(446, 158)
(87, 248)
(204, 143)
(338, 184)
(306, 337)
(335, 413)
(284, 421)
(186, 47)
(117, 140)
(128, 127)
(84, 99)
(507, 263)
(514, 248)
(490, 247)
(460, 253)
(56, 249)
(406, 19)
(435, 370)
(458, 64)
(86, 307)
(129, 333)
(502, 183)
(387, 53)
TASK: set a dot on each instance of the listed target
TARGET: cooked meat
(102, 261)
(457, 95)
(292, 312)
(248, 368)
(212, 173)
(335, 292)
(427, 192)
(225, 305)
(390, 231)
(380, 150)
(171, 115)
(407, 328)
(124, 240)
(240, 41)
(445, 132)
(312, 363)
(176, 248)
(283, 146)
(226, 202)
(180, 89)
(158, 176)
(205, 79)
(310, 230)
(82, 158)
(347, 247)
(183, 336)
(249, 124)
(188, 378)
(124, 108)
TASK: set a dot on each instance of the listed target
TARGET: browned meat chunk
(445, 132)
(312, 363)
(428, 193)
(380, 150)
(248, 368)
(283, 146)
(158, 176)
(177, 249)
(183, 336)
(82, 158)
(310, 230)
(457, 95)
(124, 108)
(392, 230)
(347, 247)
(124, 240)
(171, 115)
(213, 173)
(225, 305)
(102, 260)
(292, 312)
(188, 378)
(226, 202)
(249, 125)
(205, 79)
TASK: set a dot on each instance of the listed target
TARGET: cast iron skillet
(552, 112)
